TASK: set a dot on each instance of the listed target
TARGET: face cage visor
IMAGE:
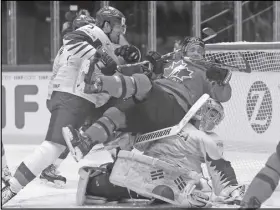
(209, 117)
(187, 51)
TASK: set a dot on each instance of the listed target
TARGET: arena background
(31, 38)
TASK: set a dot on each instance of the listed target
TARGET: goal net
(251, 126)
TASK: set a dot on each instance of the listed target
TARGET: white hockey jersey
(78, 47)
(185, 150)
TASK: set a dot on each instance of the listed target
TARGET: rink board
(38, 195)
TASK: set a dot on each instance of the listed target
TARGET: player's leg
(66, 109)
(52, 175)
(94, 186)
(264, 183)
(152, 108)
(6, 174)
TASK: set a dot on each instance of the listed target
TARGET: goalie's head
(112, 22)
(209, 115)
(193, 47)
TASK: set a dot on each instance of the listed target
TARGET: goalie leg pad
(120, 86)
(82, 197)
(155, 178)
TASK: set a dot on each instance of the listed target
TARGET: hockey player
(51, 174)
(150, 105)
(6, 174)
(68, 104)
(186, 151)
(264, 183)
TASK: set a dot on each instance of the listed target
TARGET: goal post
(251, 128)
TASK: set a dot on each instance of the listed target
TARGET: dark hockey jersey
(187, 82)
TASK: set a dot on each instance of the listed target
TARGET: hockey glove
(219, 75)
(130, 53)
(110, 66)
(155, 59)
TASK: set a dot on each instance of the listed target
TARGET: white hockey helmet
(210, 115)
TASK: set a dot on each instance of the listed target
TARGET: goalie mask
(193, 47)
(209, 115)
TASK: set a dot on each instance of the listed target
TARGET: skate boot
(78, 144)
(7, 194)
(233, 194)
(6, 175)
(50, 175)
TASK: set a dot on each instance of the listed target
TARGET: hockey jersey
(78, 47)
(184, 150)
(190, 83)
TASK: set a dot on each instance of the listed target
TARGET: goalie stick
(166, 132)
(174, 130)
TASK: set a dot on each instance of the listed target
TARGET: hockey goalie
(168, 169)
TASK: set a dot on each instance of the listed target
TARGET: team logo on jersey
(259, 107)
(178, 71)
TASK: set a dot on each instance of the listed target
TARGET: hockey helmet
(81, 20)
(112, 16)
(189, 42)
(210, 115)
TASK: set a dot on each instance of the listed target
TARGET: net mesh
(248, 157)
(260, 60)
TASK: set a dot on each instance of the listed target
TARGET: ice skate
(50, 175)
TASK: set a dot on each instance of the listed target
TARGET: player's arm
(221, 93)
(264, 183)
(80, 44)
(218, 83)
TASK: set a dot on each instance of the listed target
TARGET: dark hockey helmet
(188, 42)
(112, 16)
(82, 20)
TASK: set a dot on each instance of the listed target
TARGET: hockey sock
(33, 165)
(103, 128)
(264, 183)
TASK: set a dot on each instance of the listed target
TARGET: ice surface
(36, 194)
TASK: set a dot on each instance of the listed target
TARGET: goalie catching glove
(130, 53)
(220, 75)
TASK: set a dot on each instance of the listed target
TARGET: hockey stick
(174, 130)
(210, 35)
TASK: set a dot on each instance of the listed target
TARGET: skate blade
(56, 184)
(66, 133)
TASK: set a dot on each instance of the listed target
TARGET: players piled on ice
(86, 87)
